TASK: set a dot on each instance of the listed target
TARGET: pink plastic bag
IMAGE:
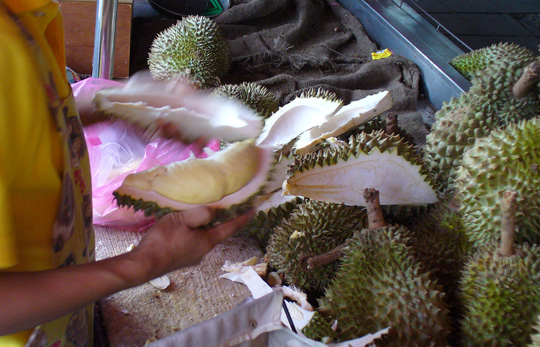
(117, 149)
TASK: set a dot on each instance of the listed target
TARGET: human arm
(28, 299)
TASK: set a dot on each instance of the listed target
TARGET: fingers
(195, 217)
(228, 228)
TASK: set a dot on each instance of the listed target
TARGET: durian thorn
(392, 124)
(373, 207)
(508, 232)
(529, 78)
(311, 263)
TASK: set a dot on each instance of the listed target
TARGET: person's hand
(176, 241)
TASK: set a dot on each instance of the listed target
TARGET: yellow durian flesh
(199, 181)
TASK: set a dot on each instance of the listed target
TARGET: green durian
(226, 180)
(457, 126)
(535, 337)
(497, 82)
(193, 46)
(339, 173)
(313, 228)
(507, 159)
(379, 285)
(258, 97)
(500, 288)
(475, 62)
(271, 210)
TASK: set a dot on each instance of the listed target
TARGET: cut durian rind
(143, 102)
(227, 178)
(340, 173)
(294, 118)
(349, 116)
(256, 96)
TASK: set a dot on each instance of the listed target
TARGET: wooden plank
(79, 27)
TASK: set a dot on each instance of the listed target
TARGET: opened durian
(258, 97)
(313, 228)
(380, 285)
(507, 159)
(500, 287)
(346, 118)
(193, 46)
(475, 62)
(226, 180)
(145, 103)
(340, 173)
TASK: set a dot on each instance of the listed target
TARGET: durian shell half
(143, 101)
(138, 190)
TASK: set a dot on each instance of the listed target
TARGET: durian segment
(500, 295)
(193, 46)
(472, 63)
(507, 159)
(294, 118)
(226, 178)
(349, 116)
(144, 102)
(340, 173)
(379, 285)
(313, 228)
(256, 96)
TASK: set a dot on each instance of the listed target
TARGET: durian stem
(373, 206)
(508, 234)
(317, 261)
(530, 76)
(392, 124)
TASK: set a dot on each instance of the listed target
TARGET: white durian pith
(143, 101)
(294, 118)
(398, 181)
(349, 116)
(226, 178)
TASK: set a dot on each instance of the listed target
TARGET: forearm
(28, 299)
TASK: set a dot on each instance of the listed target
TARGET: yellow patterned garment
(45, 191)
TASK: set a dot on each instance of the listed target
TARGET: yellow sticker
(381, 54)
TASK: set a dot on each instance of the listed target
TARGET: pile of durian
(439, 243)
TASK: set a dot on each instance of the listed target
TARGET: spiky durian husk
(357, 149)
(457, 126)
(496, 83)
(192, 46)
(320, 93)
(472, 63)
(262, 225)
(320, 329)
(313, 228)
(535, 338)
(258, 97)
(506, 160)
(500, 295)
(380, 285)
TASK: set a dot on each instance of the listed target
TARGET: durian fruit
(340, 173)
(497, 83)
(146, 102)
(313, 228)
(507, 159)
(271, 210)
(475, 62)
(258, 97)
(193, 46)
(535, 338)
(457, 126)
(226, 180)
(500, 288)
(379, 285)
